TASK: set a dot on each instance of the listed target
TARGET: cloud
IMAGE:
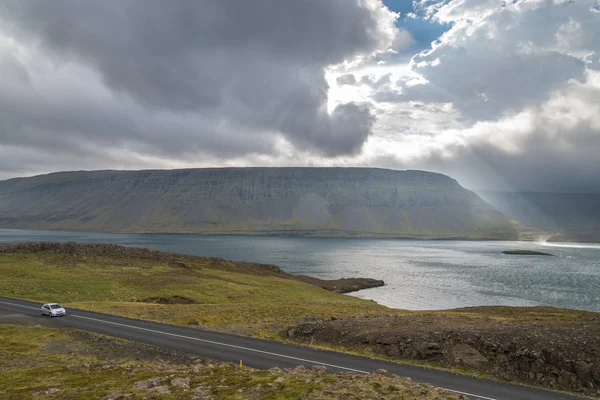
(497, 60)
(181, 81)
(346, 79)
(505, 98)
(515, 85)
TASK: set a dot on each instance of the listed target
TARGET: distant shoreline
(287, 234)
(557, 240)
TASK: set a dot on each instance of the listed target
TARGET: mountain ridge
(260, 200)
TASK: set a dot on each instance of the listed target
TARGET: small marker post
(240, 363)
(311, 341)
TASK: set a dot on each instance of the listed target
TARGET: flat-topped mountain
(301, 201)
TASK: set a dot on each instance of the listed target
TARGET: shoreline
(291, 235)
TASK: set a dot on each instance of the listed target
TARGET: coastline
(557, 238)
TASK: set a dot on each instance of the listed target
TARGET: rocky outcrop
(550, 354)
(344, 285)
(464, 355)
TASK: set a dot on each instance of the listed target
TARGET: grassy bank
(213, 293)
(86, 365)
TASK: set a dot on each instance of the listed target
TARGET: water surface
(418, 274)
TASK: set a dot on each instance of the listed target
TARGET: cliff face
(321, 201)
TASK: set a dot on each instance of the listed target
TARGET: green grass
(223, 296)
(85, 365)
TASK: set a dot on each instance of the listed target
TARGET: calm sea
(418, 274)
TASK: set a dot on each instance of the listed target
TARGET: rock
(539, 376)
(380, 372)
(430, 351)
(596, 374)
(280, 379)
(202, 390)
(319, 368)
(300, 368)
(47, 391)
(463, 354)
(141, 385)
(502, 359)
(161, 390)
(181, 382)
(583, 371)
(564, 379)
(392, 351)
(149, 384)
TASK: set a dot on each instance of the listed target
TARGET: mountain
(271, 201)
(572, 216)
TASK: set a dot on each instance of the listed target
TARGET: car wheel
(50, 314)
(42, 313)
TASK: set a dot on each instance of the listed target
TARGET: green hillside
(301, 201)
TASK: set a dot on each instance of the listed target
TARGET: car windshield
(55, 306)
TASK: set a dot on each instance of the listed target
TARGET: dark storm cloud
(221, 77)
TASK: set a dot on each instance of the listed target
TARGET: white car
(53, 310)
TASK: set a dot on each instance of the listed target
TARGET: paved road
(265, 354)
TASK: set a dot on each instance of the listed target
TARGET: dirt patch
(169, 300)
(555, 354)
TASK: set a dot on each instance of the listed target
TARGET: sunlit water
(418, 274)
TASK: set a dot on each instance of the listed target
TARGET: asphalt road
(266, 354)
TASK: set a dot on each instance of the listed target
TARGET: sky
(501, 95)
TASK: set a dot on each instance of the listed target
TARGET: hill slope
(321, 201)
(576, 216)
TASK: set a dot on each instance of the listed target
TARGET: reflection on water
(418, 274)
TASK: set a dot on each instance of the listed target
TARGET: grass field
(44, 363)
(222, 294)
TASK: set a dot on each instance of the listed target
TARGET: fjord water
(419, 275)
